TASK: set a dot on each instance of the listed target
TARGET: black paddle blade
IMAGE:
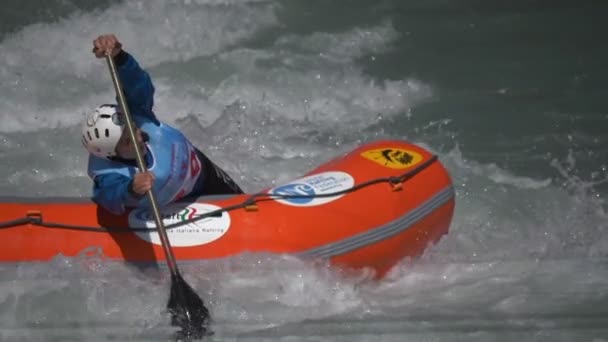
(187, 310)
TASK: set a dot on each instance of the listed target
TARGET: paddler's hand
(104, 44)
(142, 182)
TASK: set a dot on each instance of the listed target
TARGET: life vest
(174, 162)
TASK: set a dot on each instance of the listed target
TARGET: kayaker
(176, 169)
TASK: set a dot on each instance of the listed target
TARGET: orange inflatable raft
(376, 205)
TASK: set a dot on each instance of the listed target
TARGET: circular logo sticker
(308, 188)
(193, 233)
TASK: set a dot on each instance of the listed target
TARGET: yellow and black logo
(394, 158)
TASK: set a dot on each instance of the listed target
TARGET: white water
(526, 258)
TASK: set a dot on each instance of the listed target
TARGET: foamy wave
(343, 45)
(496, 174)
(49, 68)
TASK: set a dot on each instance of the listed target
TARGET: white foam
(513, 217)
(342, 46)
(496, 174)
(49, 72)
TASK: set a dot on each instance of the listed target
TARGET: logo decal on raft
(394, 158)
(311, 186)
(189, 234)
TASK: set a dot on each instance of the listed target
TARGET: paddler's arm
(137, 85)
(113, 191)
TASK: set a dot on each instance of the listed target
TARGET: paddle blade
(187, 309)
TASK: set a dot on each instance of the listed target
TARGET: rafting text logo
(185, 214)
(394, 158)
(308, 191)
(188, 232)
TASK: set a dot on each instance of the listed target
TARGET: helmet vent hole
(105, 116)
(96, 133)
(107, 133)
(89, 135)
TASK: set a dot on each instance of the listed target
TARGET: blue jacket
(170, 156)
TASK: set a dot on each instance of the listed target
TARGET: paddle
(187, 309)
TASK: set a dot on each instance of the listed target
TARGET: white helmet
(102, 130)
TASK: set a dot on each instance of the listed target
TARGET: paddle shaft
(142, 167)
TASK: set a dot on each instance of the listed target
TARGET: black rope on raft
(251, 201)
